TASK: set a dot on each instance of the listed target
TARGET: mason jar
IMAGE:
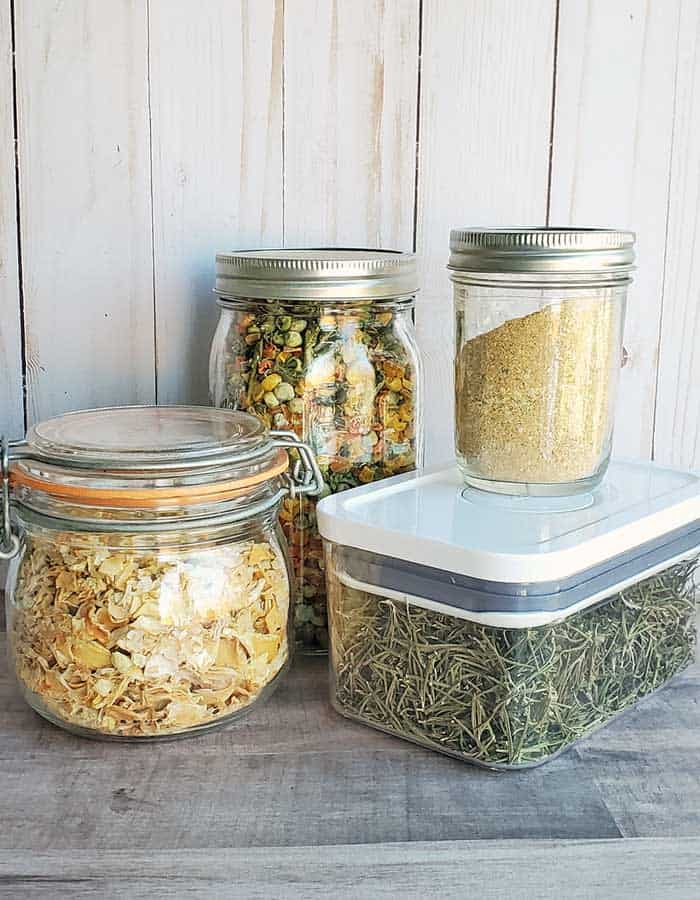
(539, 316)
(322, 342)
(148, 592)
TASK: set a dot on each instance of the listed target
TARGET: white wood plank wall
(137, 137)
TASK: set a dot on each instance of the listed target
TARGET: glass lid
(136, 462)
(147, 438)
(145, 456)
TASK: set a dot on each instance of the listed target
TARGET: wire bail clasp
(305, 476)
(9, 542)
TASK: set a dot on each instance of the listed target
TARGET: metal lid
(316, 274)
(484, 252)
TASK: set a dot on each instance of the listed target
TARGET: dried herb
(508, 697)
(533, 395)
(344, 380)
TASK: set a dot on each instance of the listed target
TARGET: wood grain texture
(547, 870)
(613, 129)
(294, 773)
(11, 401)
(295, 801)
(85, 203)
(320, 779)
(216, 100)
(486, 92)
(351, 74)
(677, 431)
(235, 138)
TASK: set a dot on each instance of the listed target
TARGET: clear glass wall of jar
(539, 316)
(151, 599)
(325, 347)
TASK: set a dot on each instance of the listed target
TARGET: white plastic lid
(429, 518)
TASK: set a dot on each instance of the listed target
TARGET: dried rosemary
(507, 697)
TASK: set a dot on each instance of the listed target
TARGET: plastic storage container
(539, 318)
(148, 592)
(473, 625)
(322, 342)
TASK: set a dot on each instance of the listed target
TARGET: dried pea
(284, 392)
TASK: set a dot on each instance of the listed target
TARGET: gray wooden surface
(296, 802)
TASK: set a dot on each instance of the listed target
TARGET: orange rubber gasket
(150, 497)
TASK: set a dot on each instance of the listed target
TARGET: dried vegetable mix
(129, 643)
(344, 380)
(508, 696)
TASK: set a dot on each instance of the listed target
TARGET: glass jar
(539, 318)
(148, 591)
(322, 342)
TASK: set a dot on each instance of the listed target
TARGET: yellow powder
(533, 396)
